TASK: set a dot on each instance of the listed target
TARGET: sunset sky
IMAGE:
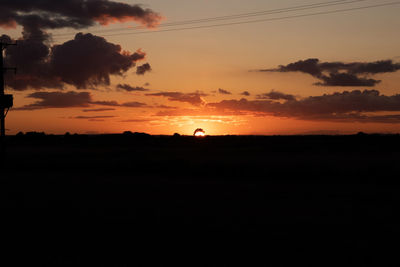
(227, 66)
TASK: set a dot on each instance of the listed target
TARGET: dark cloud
(133, 105)
(31, 56)
(129, 88)
(345, 106)
(192, 98)
(84, 62)
(77, 14)
(113, 103)
(110, 103)
(136, 120)
(274, 95)
(73, 99)
(224, 92)
(339, 73)
(165, 107)
(92, 117)
(203, 111)
(98, 109)
(346, 79)
(58, 100)
(89, 60)
(309, 66)
(245, 93)
(141, 70)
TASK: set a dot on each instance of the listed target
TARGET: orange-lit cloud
(78, 14)
(345, 106)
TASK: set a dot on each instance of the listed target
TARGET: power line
(235, 16)
(241, 16)
(260, 20)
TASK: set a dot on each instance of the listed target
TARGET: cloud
(110, 103)
(339, 73)
(346, 79)
(245, 93)
(346, 106)
(58, 100)
(275, 95)
(164, 107)
(113, 103)
(73, 99)
(133, 104)
(92, 117)
(77, 14)
(136, 120)
(129, 88)
(98, 109)
(141, 70)
(84, 62)
(224, 92)
(89, 60)
(203, 111)
(191, 98)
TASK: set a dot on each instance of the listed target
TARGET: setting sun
(199, 132)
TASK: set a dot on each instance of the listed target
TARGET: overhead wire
(231, 17)
(133, 30)
(260, 20)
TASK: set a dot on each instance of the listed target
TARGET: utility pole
(6, 101)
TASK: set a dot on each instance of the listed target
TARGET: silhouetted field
(112, 200)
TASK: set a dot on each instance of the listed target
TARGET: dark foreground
(138, 200)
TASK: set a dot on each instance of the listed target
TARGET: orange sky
(197, 63)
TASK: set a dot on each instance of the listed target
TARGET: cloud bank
(87, 61)
(346, 106)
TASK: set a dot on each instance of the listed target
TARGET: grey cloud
(340, 73)
(113, 103)
(84, 62)
(224, 92)
(77, 14)
(92, 117)
(141, 70)
(58, 100)
(98, 109)
(129, 88)
(345, 106)
(275, 95)
(72, 99)
(192, 98)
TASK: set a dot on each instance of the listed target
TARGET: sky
(164, 67)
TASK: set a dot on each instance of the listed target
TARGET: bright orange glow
(199, 134)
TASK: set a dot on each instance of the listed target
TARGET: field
(116, 200)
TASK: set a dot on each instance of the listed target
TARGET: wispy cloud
(191, 98)
(224, 92)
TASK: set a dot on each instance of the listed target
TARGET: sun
(199, 132)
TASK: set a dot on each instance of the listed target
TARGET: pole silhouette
(6, 101)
